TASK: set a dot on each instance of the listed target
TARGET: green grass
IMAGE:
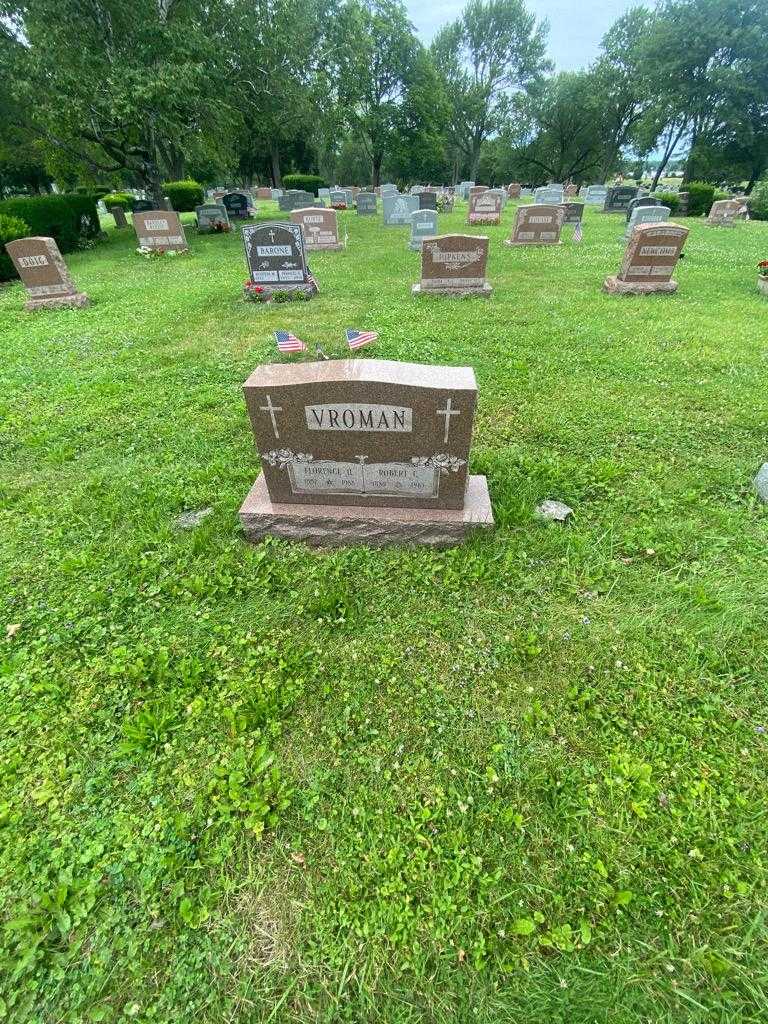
(521, 780)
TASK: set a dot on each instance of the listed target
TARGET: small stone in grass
(553, 511)
(189, 520)
(761, 482)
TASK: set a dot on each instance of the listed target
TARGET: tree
(418, 147)
(128, 86)
(374, 54)
(495, 49)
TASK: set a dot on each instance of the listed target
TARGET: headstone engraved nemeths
(646, 215)
(44, 274)
(423, 225)
(618, 198)
(649, 261)
(237, 205)
(121, 221)
(454, 265)
(484, 208)
(364, 450)
(276, 257)
(366, 203)
(398, 209)
(209, 215)
(537, 225)
(320, 228)
(723, 213)
(159, 229)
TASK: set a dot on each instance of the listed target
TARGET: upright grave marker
(723, 213)
(276, 257)
(237, 205)
(364, 451)
(212, 217)
(423, 225)
(548, 195)
(44, 274)
(641, 201)
(646, 215)
(594, 195)
(618, 198)
(649, 261)
(121, 221)
(263, 193)
(514, 189)
(140, 205)
(339, 199)
(454, 265)
(573, 213)
(320, 228)
(366, 203)
(484, 208)
(538, 224)
(159, 229)
(398, 209)
(427, 200)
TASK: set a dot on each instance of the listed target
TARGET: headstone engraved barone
(320, 228)
(618, 198)
(484, 208)
(423, 225)
(649, 261)
(538, 224)
(159, 229)
(237, 204)
(454, 265)
(646, 215)
(573, 213)
(44, 274)
(398, 209)
(276, 257)
(211, 217)
(723, 213)
(366, 203)
(121, 221)
(364, 451)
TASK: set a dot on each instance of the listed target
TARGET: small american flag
(356, 339)
(287, 342)
(312, 281)
(577, 232)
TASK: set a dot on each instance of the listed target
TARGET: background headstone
(427, 200)
(237, 205)
(573, 213)
(724, 212)
(537, 224)
(209, 215)
(484, 207)
(366, 203)
(423, 225)
(641, 201)
(44, 274)
(159, 229)
(121, 221)
(454, 265)
(320, 228)
(618, 198)
(646, 215)
(398, 209)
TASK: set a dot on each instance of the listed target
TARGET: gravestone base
(324, 247)
(614, 286)
(268, 290)
(341, 525)
(453, 293)
(478, 219)
(77, 301)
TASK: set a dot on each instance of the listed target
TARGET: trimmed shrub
(92, 190)
(124, 199)
(11, 228)
(66, 218)
(758, 201)
(700, 197)
(670, 199)
(307, 182)
(184, 195)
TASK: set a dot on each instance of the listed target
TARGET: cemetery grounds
(519, 780)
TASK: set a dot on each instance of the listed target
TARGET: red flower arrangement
(762, 268)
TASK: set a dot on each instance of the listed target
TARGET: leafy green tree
(493, 50)
(418, 149)
(121, 86)
(374, 54)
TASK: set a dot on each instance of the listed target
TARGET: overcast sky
(575, 26)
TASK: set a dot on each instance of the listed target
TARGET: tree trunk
(376, 163)
(274, 156)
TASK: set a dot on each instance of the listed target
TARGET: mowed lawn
(523, 780)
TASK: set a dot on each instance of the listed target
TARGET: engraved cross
(446, 413)
(272, 409)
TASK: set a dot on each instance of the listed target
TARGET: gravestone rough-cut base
(614, 286)
(340, 525)
(454, 293)
(77, 301)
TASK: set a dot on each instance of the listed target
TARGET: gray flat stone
(553, 511)
(337, 525)
(761, 482)
(189, 520)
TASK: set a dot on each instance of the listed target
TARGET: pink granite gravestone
(364, 451)
(650, 258)
(159, 229)
(539, 224)
(454, 265)
(320, 228)
(44, 274)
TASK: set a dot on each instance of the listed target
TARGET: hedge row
(306, 182)
(184, 195)
(66, 218)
